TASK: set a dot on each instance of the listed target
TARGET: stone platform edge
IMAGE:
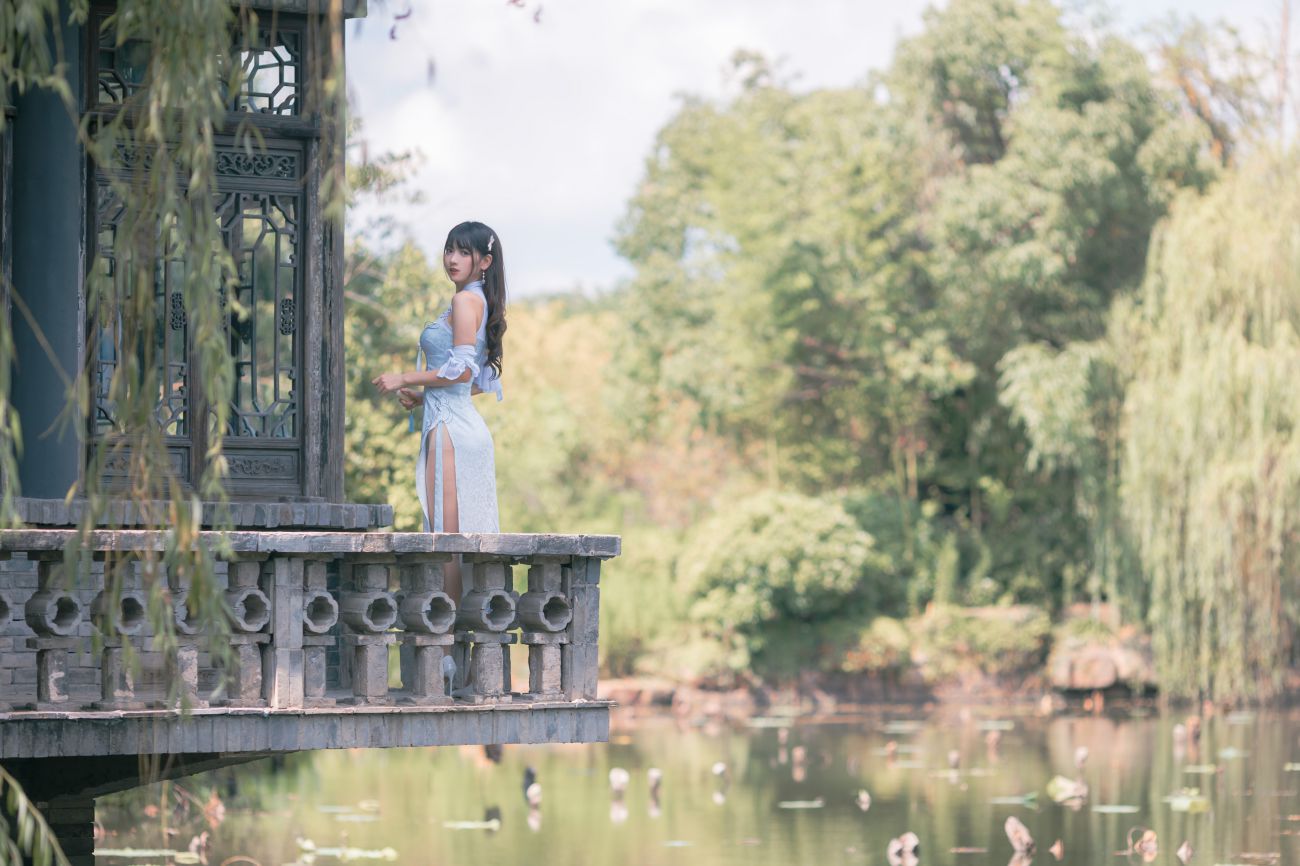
(355, 544)
(51, 735)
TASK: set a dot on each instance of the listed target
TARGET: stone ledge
(125, 732)
(267, 712)
(346, 516)
(359, 545)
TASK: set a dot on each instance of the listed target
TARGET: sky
(538, 116)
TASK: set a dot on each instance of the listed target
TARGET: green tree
(1052, 153)
(1069, 403)
(834, 278)
(1211, 474)
(779, 282)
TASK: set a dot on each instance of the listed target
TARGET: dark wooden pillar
(48, 199)
(72, 819)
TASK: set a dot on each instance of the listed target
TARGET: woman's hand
(387, 383)
(408, 398)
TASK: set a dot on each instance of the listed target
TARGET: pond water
(777, 791)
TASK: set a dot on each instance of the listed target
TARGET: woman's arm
(466, 310)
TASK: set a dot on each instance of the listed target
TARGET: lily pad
(1063, 790)
(1201, 769)
(345, 853)
(1291, 768)
(1189, 800)
(1232, 753)
(1115, 809)
(1029, 801)
(902, 726)
(183, 857)
(903, 749)
(493, 824)
(801, 804)
(996, 725)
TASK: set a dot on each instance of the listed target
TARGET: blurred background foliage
(1014, 322)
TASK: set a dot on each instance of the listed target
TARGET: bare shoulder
(468, 302)
(467, 310)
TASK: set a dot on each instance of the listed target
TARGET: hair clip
(491, 239)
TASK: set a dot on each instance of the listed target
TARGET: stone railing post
(580, 656)
(544, 614)
(428, 616)
(55, 615)
(320, 613)
(486, 613)
(250, 610)
(283, 662)
(183, 667)
(369, 611)
(118, 619)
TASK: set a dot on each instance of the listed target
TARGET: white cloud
(541, 129)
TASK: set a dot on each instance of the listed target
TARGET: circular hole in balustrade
(381, 613)
(557, 613)
(440, 613)
(321, 614)
(67, 613)
(252, 611)
(500, 612)
(131, 615)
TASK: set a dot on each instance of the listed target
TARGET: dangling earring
(482, 275)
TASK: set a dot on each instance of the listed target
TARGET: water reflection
(776, 792)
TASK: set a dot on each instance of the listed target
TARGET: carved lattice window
(170, 328)
(272, 72)
(261, 231)
(270, 58)
(260, 210)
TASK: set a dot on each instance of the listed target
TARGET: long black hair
(478, 240)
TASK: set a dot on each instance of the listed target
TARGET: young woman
(456, 470)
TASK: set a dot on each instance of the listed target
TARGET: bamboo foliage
(1211, 477)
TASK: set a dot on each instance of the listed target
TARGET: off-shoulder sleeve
(458, 361)
(487, 380)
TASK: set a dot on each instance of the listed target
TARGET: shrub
(989, 640)
(777, 578)
(884, 645)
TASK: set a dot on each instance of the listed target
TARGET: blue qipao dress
(450, 407)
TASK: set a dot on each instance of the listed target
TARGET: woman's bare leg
(450, 514)
(450, 507)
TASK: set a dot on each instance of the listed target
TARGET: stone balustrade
(320, 622)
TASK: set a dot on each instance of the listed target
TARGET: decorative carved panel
(277, 466)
